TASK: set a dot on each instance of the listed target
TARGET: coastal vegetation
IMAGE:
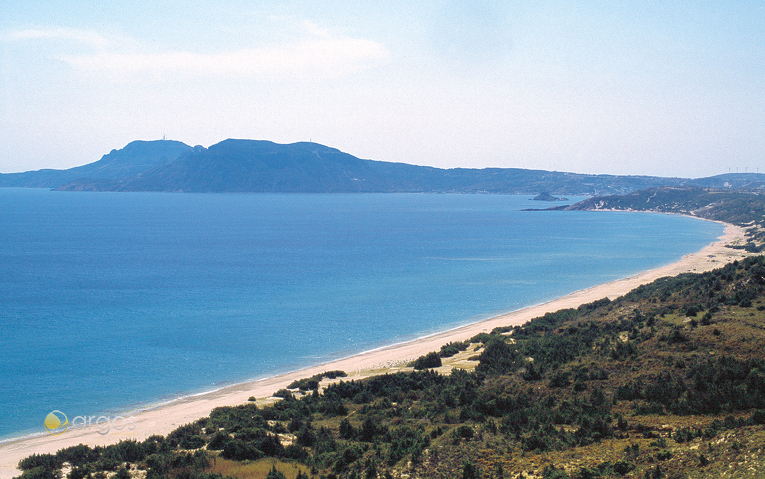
(312, 383)
(667, 381)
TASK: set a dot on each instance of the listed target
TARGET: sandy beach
(164, 418)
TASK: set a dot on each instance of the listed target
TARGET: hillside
(264, 166)
(267, 167)
(733, 206)
(261, 166)
(134, 159)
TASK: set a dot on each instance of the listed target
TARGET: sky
(664, 88)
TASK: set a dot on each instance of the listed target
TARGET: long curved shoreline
(163, 418)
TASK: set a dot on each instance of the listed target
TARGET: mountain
(263, 166)
(136, 158)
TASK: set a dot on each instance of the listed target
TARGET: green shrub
(238, 450)
(429, 361)
(45, 461)
(560, 380)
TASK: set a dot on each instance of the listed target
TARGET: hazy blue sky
(658, 88)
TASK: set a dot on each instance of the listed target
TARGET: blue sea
(112, 301)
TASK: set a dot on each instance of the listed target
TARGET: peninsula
(242, 166)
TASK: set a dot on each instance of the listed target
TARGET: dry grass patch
(255, 469)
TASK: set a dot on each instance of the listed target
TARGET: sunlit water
(110, 301)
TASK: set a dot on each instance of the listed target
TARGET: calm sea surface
(110, 301)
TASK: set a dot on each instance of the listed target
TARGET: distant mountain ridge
(264, 166)
(135, 158)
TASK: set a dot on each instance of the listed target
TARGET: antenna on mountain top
(164, 137)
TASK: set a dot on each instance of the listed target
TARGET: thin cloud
(318, 52)
(87, 37)
(326, 55)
